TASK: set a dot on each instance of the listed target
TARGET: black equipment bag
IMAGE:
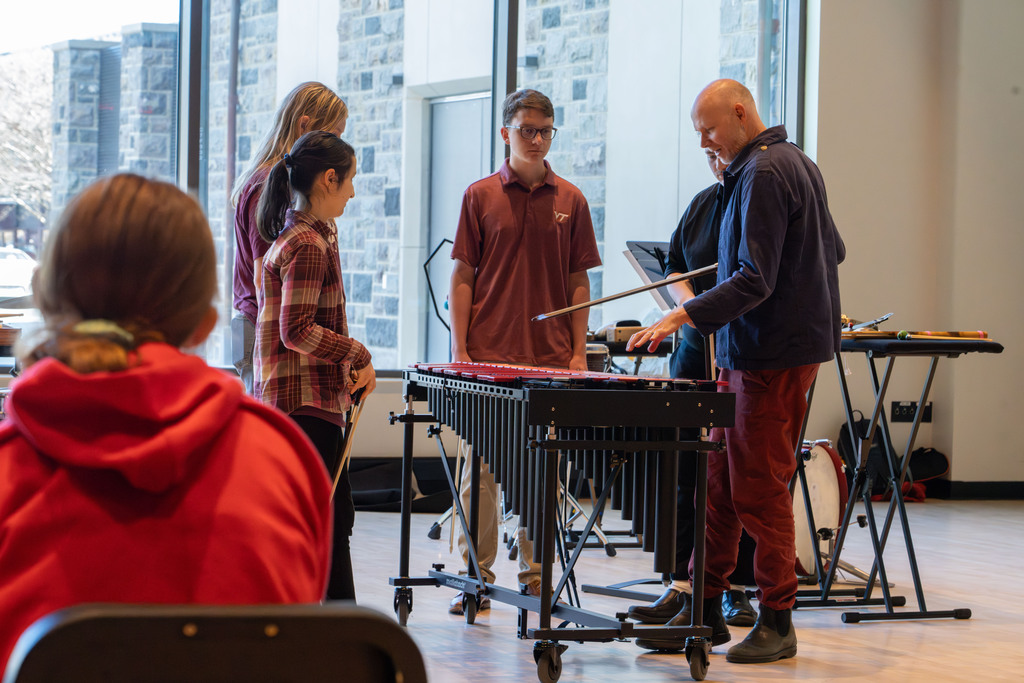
(925, 463)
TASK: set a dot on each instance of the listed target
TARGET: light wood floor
(970, 554)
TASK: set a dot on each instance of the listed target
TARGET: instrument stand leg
(824, 595)
(435, 529)
(898, 468)
(469, 530)
(571, 590)
(403, 582)
(848, 568)
(580, 513)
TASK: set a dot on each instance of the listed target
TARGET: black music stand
(649, 260)
(898, 465)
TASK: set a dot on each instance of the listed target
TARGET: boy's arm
(579, 293)
(460, 303)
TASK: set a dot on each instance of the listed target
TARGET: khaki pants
(487, 535)
(243, 339)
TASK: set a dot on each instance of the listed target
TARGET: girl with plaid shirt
(306, 364)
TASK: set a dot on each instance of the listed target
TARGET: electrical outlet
(903, 411)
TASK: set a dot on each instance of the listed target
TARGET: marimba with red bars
(622, 431)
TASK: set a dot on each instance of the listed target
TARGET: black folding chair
(212, 644)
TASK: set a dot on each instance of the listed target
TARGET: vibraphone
(622, 431)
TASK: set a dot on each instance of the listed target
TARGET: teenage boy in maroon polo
(523, 247)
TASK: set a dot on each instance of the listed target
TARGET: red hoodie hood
(145, 422)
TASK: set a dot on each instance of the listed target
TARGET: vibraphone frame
(519, 427)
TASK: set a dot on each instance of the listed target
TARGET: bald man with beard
(775, 313)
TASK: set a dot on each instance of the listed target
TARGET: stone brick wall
(146, 130)
(149, 106)
(371, 45)
(256, 96)
(75, 116)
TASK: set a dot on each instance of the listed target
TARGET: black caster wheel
(698, 665)
(469, 607)
(513, 553)
(403, 613)
(698, 654)
(850, 617)
(435, 532)
(548, 656)
(403, 605)
(609, 550)
(962, 613)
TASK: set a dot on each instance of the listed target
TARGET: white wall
(919, 140)
(654, 163)
(642, 186)
(447, 41)
(307, 43)
(988, 240)
(447, 52)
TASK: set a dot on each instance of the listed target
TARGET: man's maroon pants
(748, 482)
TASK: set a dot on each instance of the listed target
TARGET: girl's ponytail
(274, 202)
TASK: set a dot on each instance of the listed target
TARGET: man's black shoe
(712, 617)
(737, 610)
(773, 637)
(671, 603)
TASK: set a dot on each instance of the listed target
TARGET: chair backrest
(157, 643)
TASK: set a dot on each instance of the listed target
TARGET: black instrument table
(898, 465)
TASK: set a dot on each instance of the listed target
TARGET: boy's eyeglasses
(529, 133)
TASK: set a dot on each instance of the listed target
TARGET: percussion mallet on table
(950, 335)
(678, 277)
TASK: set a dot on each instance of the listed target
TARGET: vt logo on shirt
(561, 217)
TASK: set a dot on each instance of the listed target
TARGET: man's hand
(653, 335)
(461, 357)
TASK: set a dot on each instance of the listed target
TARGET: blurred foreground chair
(212, 644)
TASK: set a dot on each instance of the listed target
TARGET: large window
(85, 91)
(622, 76)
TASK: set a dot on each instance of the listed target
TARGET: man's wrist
(679, 315)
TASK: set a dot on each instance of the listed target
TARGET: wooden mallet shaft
(678, 277)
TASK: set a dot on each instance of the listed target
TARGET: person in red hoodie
(130, 471)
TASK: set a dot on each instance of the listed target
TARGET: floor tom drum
(827, 493)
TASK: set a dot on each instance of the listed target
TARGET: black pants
(327, 439)
(743, 575)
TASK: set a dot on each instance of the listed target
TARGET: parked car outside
(16, 268)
